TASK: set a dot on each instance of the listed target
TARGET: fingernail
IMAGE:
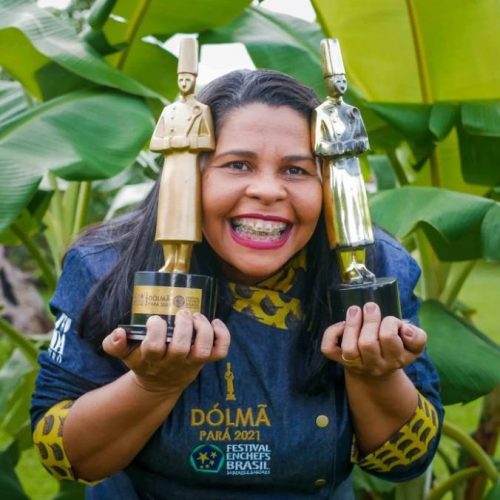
(340, 323)
(217, 322)
(409, 332)
(198, 315)
(370, 307)
(353, 311)
(115, 336)
(184, 312)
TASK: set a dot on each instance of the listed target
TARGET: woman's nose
(267, 188)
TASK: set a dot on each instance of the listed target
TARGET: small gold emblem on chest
(229, 376)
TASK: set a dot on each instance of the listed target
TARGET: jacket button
(319, 483)
(322, 421)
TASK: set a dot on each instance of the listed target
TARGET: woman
(264, 402)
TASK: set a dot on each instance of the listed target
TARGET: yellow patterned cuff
(409, 444)
(48, 441)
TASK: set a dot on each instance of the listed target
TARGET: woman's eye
(296, 171)
(238, 165)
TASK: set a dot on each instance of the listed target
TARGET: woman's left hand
(365, 344)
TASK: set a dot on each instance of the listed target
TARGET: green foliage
(70, 491)
(411, 77)
(413, 52)
(17, 376)
(74, 123)
(65, 136)
(50, 59)
(137, 29)
(12, 100)
(452, 338)
(153, 18)
(479, 138)
(494, 492)
(275, 41)
(9, 482)
(458, 226)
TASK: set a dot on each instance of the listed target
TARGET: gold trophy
(184, 130)
(339, 137)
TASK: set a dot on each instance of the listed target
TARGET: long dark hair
(132, 235)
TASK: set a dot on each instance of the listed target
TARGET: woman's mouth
(260, 233)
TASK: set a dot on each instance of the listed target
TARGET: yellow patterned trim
(409, 444)
(48, 441)
(283, 280)
(267, 306)
(267, 302)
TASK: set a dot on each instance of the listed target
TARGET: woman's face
(261, 192)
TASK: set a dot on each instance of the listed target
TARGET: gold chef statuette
(339, 137)
(183, 132)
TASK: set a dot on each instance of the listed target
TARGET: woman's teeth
(258, 229)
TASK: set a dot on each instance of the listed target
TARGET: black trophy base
(164, 294)
(384, 292)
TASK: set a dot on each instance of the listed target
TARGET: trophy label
(165, 300)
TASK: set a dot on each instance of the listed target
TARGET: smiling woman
(227, 408)
(261, 191)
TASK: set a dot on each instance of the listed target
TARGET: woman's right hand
(170, 367)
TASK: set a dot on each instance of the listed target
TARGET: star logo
(207, 458)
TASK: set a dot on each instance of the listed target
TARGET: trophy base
(164, 294)
(384, 292)
(136, 332)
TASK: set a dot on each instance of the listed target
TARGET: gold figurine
(184, 130)
(339, 136)
(229, 377)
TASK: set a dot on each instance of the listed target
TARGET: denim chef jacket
(241, 429)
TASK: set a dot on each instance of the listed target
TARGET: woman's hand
(367, 345)
(170, 367)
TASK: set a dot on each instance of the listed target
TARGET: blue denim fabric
(273, 448)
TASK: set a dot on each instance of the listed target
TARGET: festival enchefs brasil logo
(207, 458)
(225, 424)
(241, 459)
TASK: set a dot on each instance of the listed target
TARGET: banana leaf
(408, 57)
(17, 377)
(479, 140)
(12, 101)
(48, 58)
(70, 490)
(494, 492)
(384, 175)
(276, 41)
(30, 219)
(84, 135)
(466, 360)
(9, 482)
(418, 51)
(149, 63)
(137, 30)
(459, 226)
(130, 20)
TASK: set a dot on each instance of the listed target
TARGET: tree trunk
(20, 303)
(487, 437)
